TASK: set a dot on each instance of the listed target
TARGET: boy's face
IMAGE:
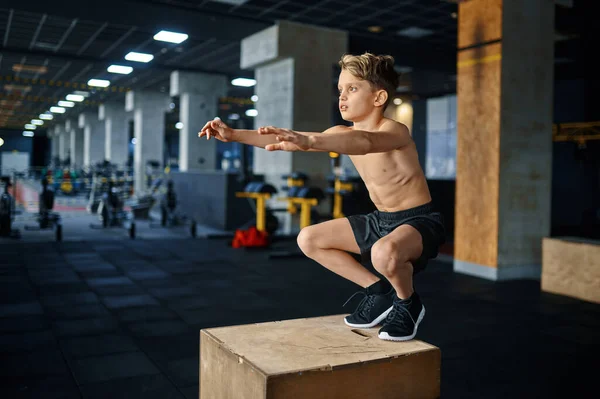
(357, 98)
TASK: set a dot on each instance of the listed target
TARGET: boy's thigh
(367, 232)
(433, 236)
(333, 234)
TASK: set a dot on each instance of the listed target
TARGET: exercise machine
(7, 211)
(169, 215)
(46, 217)
(112, 213)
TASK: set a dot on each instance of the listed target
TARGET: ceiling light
(397, 101)
(254, 98)
(1, 141)
(98, 83)
(75, 97)
(29, 68)
(57, 110)
(28, 134)
(375, 29)
(234, 117)
(46, 117)
(82, 93)
(21, 88)
(243, 82)
(179, 125)
(67, 104)
(139, 57)
(29, 126)
(123, 70)
(251, 112)
(414, 32)
(37, 122)
(171, 37)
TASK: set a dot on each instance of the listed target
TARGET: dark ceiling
(75, 41)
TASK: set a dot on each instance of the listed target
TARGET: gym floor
(114, 317)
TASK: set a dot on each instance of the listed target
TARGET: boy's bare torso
(394, 179)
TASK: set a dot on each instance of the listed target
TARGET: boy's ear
(381, 98)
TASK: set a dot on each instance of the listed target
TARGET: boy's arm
(252, 137)
(393, 135)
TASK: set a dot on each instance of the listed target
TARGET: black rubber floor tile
(184, 372)
(125, 301)
(54, 387)
(112, 367)
(39, 363)
(68, 312)
(85, 327)
(143, 387)
(144, 313)
(27, 341)
(105, 344)
(21, 309)
(79, 298)
(21, 324)
(159, 328)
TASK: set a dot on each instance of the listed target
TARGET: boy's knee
(388, 258)
(307, 240)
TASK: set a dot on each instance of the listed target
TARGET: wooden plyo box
(571, 267)
(314, 358)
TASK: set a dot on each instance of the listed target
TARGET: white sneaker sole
(375, 322)
(387, 337)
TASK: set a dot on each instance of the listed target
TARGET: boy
(403, 233)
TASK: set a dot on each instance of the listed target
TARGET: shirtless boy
(403, 233)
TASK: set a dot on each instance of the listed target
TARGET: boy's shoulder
(338, 129)
(390, 125)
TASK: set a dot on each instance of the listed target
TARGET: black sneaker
(402, 322)
(374, 307)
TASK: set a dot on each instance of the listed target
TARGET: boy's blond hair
(378, 70)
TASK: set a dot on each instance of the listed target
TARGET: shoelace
(364, 305)
(398, 321)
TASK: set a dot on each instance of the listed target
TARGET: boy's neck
(370, 122)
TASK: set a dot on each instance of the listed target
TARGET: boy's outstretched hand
(217, 129)
(289, 140)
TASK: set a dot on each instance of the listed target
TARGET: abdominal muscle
(394, 179)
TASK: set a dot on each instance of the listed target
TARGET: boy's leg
(393, 256)
(328, 244)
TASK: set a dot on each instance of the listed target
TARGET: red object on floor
(250, 238)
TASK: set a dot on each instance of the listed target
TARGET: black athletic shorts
(369, 228)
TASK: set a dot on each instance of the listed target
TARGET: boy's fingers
(218, 123)
(273, 147)
(206, 125)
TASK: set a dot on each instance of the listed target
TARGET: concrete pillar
(54, 143)
(293, 66)
(76, 142)
(64, 144)
(198, 100)
(504, 145)
(93, 138)
(116, 146)
(149, 131)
